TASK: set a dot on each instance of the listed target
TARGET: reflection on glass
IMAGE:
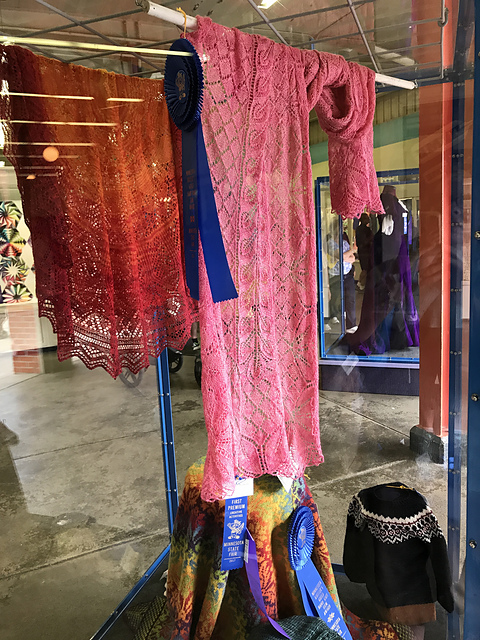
(332, 294)
(80, 453)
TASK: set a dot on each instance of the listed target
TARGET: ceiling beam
(92, 30)
(304, 14)
(267, 21)
(64, 27)
(363, 36)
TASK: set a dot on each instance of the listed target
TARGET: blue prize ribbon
(317, 600)
(184, 96)
(234, 533)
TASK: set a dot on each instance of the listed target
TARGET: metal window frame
(364, 361)
(454, 506)
(472, 559)
(318, 229)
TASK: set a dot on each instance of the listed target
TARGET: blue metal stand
(341, 265)
(168, 443)
(455, 360)
(171, 488)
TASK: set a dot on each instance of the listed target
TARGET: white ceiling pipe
(169, 15)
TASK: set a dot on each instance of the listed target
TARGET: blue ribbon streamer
(184, 96)
(190, 210)
(317, 600)
(253, 575)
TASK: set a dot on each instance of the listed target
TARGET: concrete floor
(82, 508)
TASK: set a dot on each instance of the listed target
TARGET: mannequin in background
(364, 240)
(348, 282)
(389, 317)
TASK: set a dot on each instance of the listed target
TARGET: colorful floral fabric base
(206, 602)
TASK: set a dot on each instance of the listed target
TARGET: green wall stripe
(319, 152)
(397, 130)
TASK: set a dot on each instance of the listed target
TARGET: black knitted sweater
(394, 544)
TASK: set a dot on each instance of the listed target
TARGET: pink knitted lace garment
(259, 352)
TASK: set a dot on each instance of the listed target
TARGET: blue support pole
(455, 359)
(462, 45)
(472, 574)
(168, 443)
(342, 288)
(127, 601)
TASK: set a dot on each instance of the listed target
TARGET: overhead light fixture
(32, 176)
(124, 99)
(45, 95)
(39, 168)
(66, 44)
(266, 4)
(30, 155)
(58, 144)
(2, 163)
(50, 153)
(69, 124)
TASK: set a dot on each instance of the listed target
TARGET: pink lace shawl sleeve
(343, 95)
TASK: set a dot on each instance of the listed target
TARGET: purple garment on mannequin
(389, 318)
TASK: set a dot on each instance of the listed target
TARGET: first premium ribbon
(184, 96)
(317, 601)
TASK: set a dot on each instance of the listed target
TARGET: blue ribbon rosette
(317, 600)
(184, 97)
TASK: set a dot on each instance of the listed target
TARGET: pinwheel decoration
(13, 270)
(16, 293)
(10, 215)
(11, 243)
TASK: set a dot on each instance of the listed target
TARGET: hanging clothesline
(177, 18)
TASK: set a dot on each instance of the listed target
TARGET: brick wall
(24, 334)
